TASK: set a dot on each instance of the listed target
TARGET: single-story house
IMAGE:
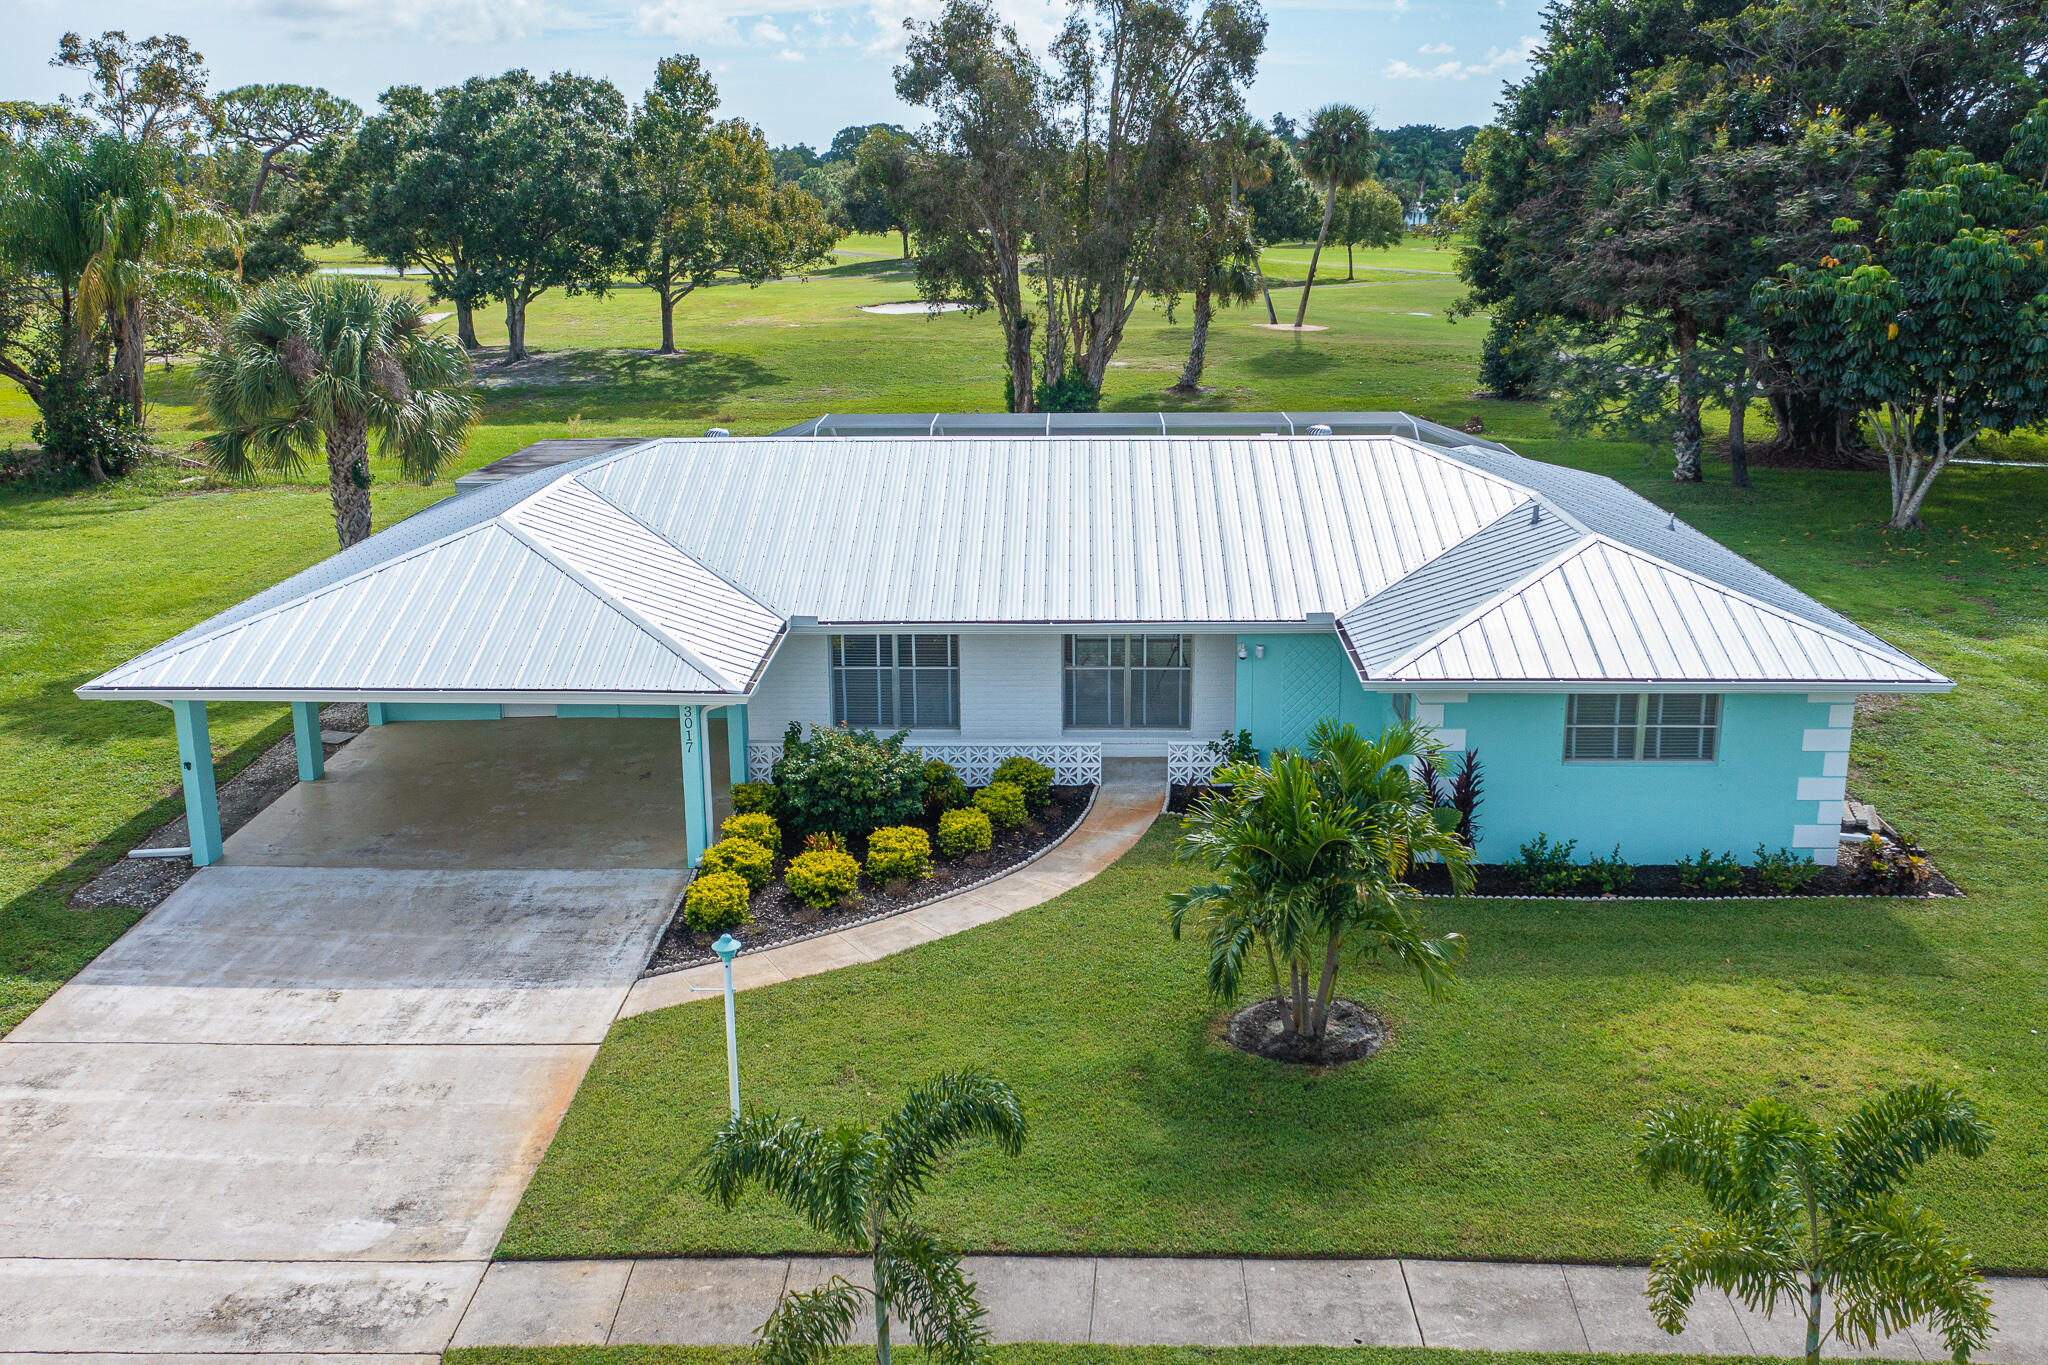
(1079, 587)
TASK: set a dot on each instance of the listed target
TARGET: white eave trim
(393, 694)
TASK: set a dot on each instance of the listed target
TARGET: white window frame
(897, 677)
(1127, 677)
(1642, 724)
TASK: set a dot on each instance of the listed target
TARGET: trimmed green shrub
(1612, 874)
(754, 798)
(752, 862)
(850, 781)
(715, 902)
(1029, 776)
(1786, 872)
(822, 878)
(962, 832)
(1002, 803)
(943, 789)
(900, 851)
(1546, 868)
(762, 829)
(1710, 874)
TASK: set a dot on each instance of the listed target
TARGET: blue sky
(799, 68)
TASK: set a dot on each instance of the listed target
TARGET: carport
(530, 616)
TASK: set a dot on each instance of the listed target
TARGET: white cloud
(693, 21)
(1436, 49)
(789, 54)
(1497, 60)
(765, 32)
(451, 21)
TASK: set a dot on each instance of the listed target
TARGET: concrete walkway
(1135, 1301)
(1131, 797)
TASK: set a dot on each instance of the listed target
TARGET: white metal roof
(672, 569)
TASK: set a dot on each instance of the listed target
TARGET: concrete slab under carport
(528, 792)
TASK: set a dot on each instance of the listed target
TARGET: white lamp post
(727, 949)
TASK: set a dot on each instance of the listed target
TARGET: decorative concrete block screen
(1190, 762)
(1073, 765)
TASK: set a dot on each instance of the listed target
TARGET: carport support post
(736, 745)
(195, 765)
(306, 738)
(696, 785)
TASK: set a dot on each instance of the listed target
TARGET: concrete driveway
(292, 1109)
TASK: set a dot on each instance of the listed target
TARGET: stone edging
(843, 925)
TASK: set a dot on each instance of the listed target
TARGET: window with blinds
(891, 682)
(1641, 727)
(1139, 682)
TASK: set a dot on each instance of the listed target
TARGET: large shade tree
(1815, 1219)
(1313, 851)
(857, 1184)
(316, 367)
(1337, 152)
(1942, 327)
(147, 91)
(411, 188)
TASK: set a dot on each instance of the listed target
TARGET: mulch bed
(780, 918)
(1351, 1032)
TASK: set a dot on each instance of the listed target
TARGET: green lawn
(1039, 1353)
(1500, 1123)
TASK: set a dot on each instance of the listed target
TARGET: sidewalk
(1140, 1301)
(1130, 798)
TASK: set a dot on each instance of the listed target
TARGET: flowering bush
(823, 877)
(715, 902)
(963, 832)
(901, 851)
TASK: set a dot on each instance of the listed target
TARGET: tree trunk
(1813, 1322)
(906, 242)
(1350, 270)
(465, 325)
(1266, 289)
(668, 322)
(262, 175)
(515, 326)
(1329, 208)
(1810, 431)
(881, 1331)
(1738, 443)
(1018, 347)
(1326, 988)
(131, 354)
(1686, 438)
(1191, 376)
(348, 478)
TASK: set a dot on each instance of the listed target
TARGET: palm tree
(1313, 850)
(1799, 1213)
(1338, 150)
(856, 1183)
(1247, 147)
(322, 362)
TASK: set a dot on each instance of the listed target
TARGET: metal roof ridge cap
(289, 603)
(591, 586)
(1480, 608)
(633, 517)
(1715, 585)
(1440, 454)
(1426, 565)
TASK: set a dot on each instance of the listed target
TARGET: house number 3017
(689, 729)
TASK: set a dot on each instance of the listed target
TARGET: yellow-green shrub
(1029, 776)
(900, 851)
(752, 862)
(715, 902)
(754, 798)
(762, 829)
(822, 877)
(962, 832)
(1002, 802)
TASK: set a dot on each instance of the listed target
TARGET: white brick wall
(1009, 692)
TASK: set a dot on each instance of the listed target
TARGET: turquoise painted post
(195, 764)
(736, 744)
(376, 713)
(696, 785)
(306, 738)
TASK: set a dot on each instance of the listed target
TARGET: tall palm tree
(1338, 150)
(856, 1184)
(1247, 147)
(320, 363)
(1802, 1215)
(1313, 851)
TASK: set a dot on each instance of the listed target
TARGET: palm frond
(1759, 1271)
(1896, 1264)
(926, 1285)
(1895, 1133)
(806, 1326)
(937, 1116)
(822, 1176)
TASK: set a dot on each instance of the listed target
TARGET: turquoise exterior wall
(616, 712)
(391, 712)
(1777, 780)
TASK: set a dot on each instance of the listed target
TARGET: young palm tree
(321, 363)
(856, 1184)
(1313, 851)
(1338, 150)
(1801, 1214)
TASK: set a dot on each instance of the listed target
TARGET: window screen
(896, 681)
(1650, 727)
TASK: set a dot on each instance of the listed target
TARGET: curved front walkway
(1131, 797)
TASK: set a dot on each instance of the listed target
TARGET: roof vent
(718, 431)
(1319, 429)
(1672, 525)
(1535, 514)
